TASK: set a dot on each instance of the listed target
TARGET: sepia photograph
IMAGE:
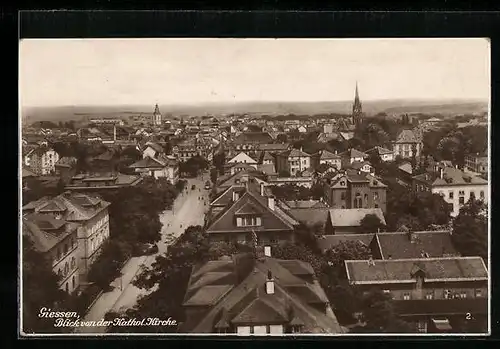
(254, 187)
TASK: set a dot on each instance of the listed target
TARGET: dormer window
(248, 221)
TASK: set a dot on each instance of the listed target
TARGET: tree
(219, 160)
(107, 266)
(289, 251)
(379, 315)
(40, 290)
(371, 223)
(346, 250)
(282, 138)
(213, 175)
(470, 230)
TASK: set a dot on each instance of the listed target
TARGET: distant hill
(64, 113)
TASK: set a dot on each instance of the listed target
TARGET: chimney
(441, 173)
(270, 202)
(261, 189)
(236, 195)
(267, 251)
(371, 261)
(269, 283)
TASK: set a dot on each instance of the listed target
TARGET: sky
(59, 72)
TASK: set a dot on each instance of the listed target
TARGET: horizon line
(204, 103)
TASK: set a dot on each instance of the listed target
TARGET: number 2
(468, 316)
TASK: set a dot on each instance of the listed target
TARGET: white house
(162, 166)
(243, 158)
(42, 160)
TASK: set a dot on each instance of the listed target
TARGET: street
(188, 209)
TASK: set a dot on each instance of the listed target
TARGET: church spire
(357, 109)
(157, 116)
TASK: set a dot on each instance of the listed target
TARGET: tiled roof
(351, 217)
(407, 136)
(310, 216)
(33, 226)
(380, 150)
(253, 137)
(226, 222)
(327, 242)
(76, 206)
(354, 153)
(398, 245)
(403, 270)
(451, 176)
(247, 302)
(273, 147)
(327, 155)
(305, 204)
(268, 169)
(267, 156)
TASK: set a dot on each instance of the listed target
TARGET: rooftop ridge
(430, 259)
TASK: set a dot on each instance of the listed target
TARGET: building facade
(43, 161)
(87, 219)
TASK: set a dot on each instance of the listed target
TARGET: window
(73, 281)
(59, 253)
(461, 200)
(66, 269)
(65, 248)
(342, 183)
(73, 262)
(376, 205)
(478, 293)
(429, 295)
(375, 196)
(472, 195)
(421, 326)
(441, 193)
(406, 296)
(59, 272)
(463, 294)
(481, 194)
(461, 193)
(366, 197)
(358, 203)
(67, 287)
(342, 196)
(450, 194)
(446, 294)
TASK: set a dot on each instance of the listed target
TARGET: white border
(19, 281)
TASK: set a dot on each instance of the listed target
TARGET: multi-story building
(193, 147)
(163, 166)
(57, 240)
(43, 160)
(455, 186)
(430, 293)
(384, 154)
(477, 163)
(102, 181)
(407, 144)
(256, 295)
(294, 161)
(156, 119)
(243, 158)
(329, 158)
(82, 220)
(352, 155)
(250, 211)
(251, 140)
(356, 189)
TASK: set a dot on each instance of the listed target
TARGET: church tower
(357, 109)
(157, 116)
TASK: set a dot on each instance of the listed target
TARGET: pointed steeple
(357, 109)
(157, 110)
(157, 115)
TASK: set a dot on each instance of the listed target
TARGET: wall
(66, 264)
(456, 189)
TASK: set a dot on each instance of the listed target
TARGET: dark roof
(451, 176)
(354, 153)
(327, 155)
(444, 269)
(407, 136)
(310, 216)
(305, 204)
(327, 242)
(399, 246)
(271, 220)
(254, 137)
(246, 302)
